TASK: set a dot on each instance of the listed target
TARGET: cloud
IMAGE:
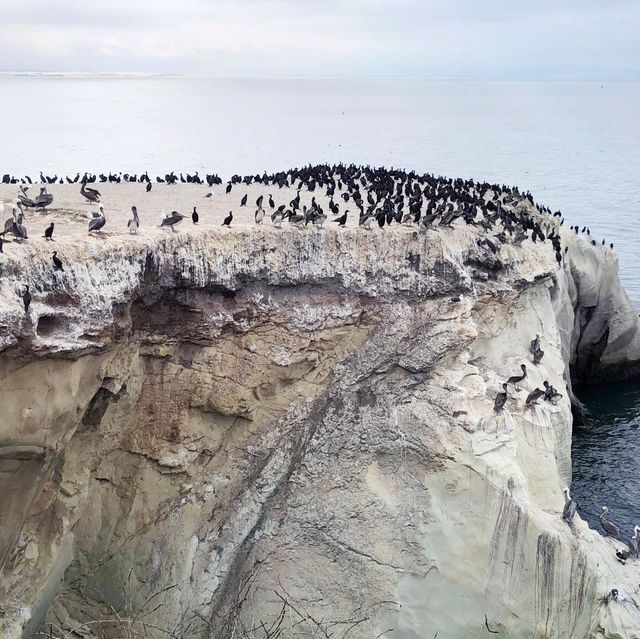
(428, 38)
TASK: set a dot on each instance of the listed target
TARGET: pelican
(172, 219)
(516, 379)
(134, 223)
(98, 220)
(570, 506)
(91, 195)
(259, 215)
(609, 527)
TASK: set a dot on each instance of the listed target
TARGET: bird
(228, 219)
(134, 223)
(98, 220)
(277, 217)
(57, 262)
(635, 539)
(516, 379)
(48, 232)
(172, 219)
(259, 215)
(342, 220)
(148, 187)
(26, 299)
(243, 201)
(210, 194)
(194, 216)
(259, 201)
(272, 204)
(609, 527)
(91, 195)
(534, 396)
(570, 506)
(501, 399)
(535, 344)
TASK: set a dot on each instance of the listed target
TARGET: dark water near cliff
(606, 456)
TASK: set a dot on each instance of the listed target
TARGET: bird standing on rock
(57, 262)
(194, 216)
(570, 506)
(228, 219)
(609, 527)
(134, 223)
(501, 400)
(26, 299)
(98, 220)
(259, 216)
(172, 219)
(342, 220)
(48, 232)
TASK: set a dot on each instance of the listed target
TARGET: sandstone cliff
(243, 421)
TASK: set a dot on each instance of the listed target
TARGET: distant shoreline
(88, 74)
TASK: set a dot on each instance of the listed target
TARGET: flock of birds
(380, 197)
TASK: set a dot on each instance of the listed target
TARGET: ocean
(574, 145)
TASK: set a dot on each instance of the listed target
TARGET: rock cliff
(232, 430)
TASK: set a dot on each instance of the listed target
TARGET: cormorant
(194, 216)
(57, 262)
(48, 232)
(570, 506)
(26, 298)
(243, 201)
(148, 187)
(534, 396)
(342, 220)
(501, 399)
(272, 204)
(229, 218)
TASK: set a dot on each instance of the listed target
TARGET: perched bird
(229, 218)
(98, 220)
(134, 223)
(210, 194)
(534, 396)
(272, 204)
(57, 262)
(342, 220)
(48, 232)
(194, 216)
(91, 195)
(243, 201)
(570, 506)
(259, 215)
(172, 219)
(26, 299)
(516, 379)
(148, 187)
(609, 527)
(501, 399)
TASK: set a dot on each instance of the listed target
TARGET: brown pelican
(134, 223)
(98, 220)
(516, 379)
(17, 227)
(91, 195)
(277, 217)
(570, 506)
(609, 527)
(172, 219)
(259, 215)
(44, 199)
(24, 199)
(550, 393)
(501, 399)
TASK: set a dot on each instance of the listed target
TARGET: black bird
(26, 298)
(501, 399)
(194, 216)
(57, 262)
(172, 220)
(342, 220)
(259, 201)
(534, 396)
(228, 189)
(48, 232)
(229, 218)
(148, 187)
(272, 204)
(243, 201)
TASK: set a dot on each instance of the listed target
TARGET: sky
(484, 39)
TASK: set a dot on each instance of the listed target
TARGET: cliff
(222, 428)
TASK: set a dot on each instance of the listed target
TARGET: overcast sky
(253, 38)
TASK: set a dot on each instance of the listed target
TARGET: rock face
(297, 428)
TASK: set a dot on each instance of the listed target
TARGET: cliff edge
(223, 430)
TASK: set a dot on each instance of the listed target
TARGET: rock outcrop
(296, 428)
